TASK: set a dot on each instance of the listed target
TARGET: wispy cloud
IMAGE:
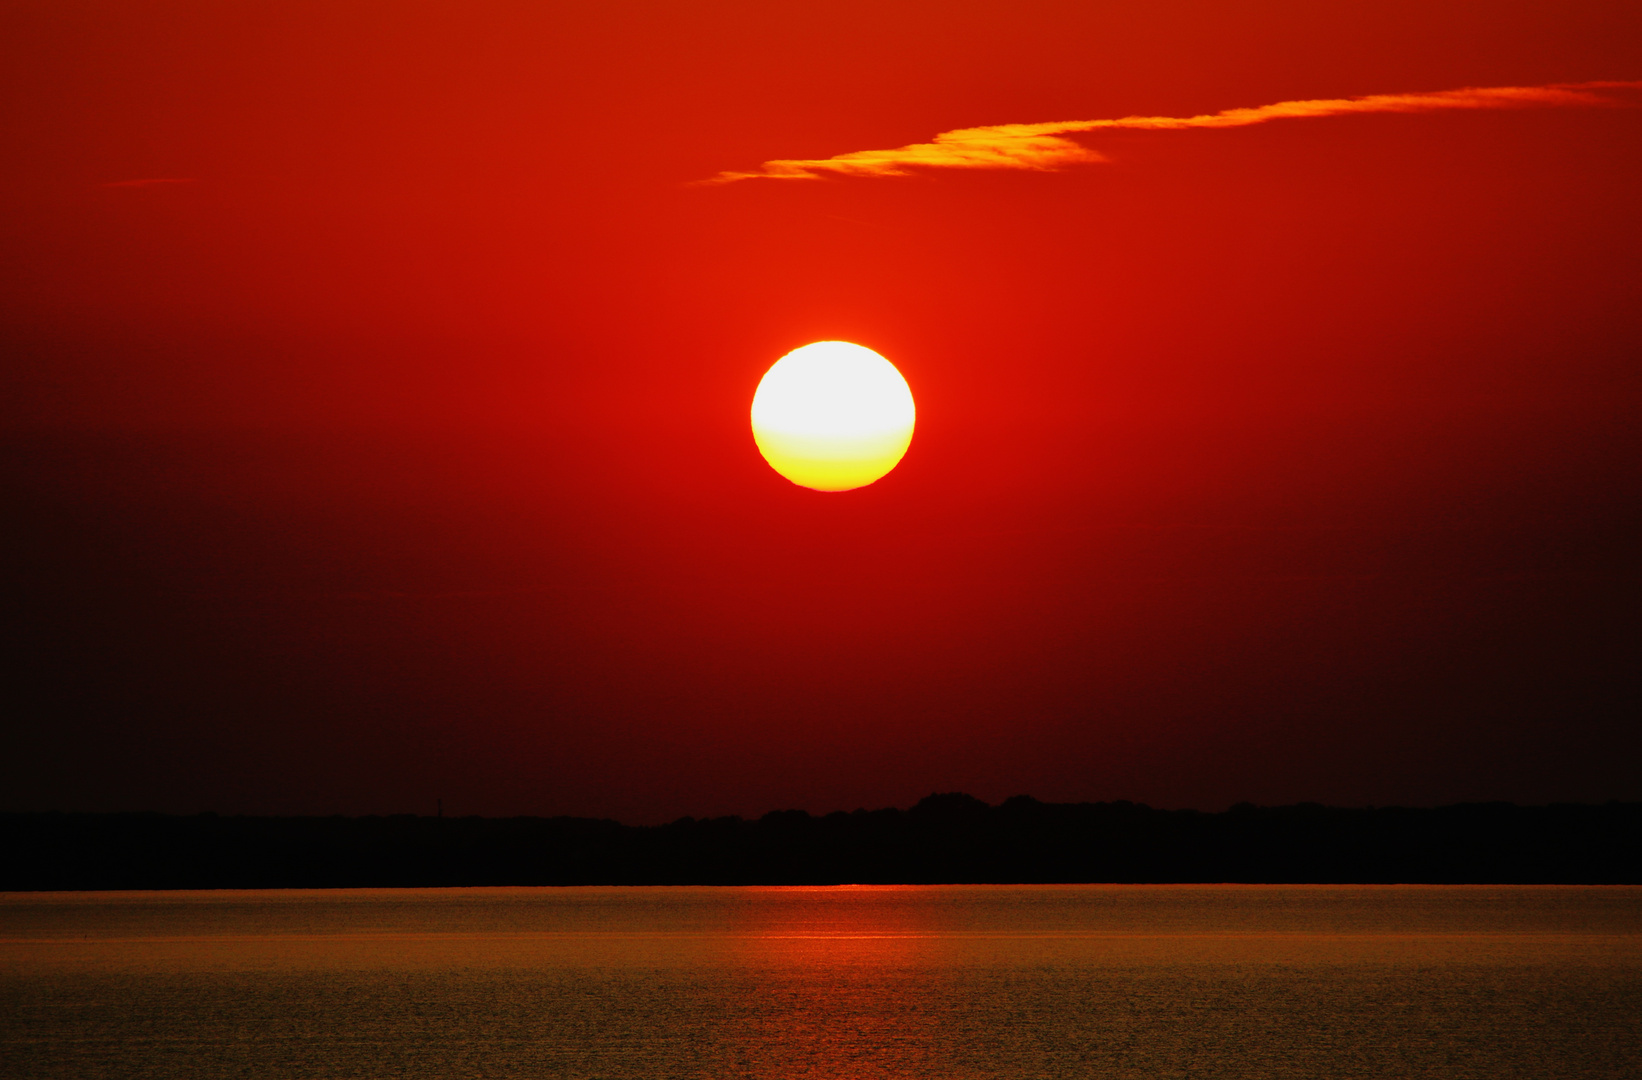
(1044, 147)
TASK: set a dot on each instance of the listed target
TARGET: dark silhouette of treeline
(949, 838)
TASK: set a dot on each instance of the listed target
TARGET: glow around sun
(833, 416)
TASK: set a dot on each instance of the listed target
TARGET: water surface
(949, 982)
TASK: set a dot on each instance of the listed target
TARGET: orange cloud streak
(1041, 146)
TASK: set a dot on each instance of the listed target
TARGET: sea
(838, 983)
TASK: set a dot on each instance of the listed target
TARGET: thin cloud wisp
(1043, 147)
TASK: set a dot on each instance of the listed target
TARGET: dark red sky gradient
(402, 452)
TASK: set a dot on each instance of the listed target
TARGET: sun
(833, 416)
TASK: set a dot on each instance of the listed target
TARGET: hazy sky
(373, 405)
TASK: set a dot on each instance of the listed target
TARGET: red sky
(373, 414)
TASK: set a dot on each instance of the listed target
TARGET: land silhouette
(945, 839)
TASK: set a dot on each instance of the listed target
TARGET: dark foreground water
(1071, 981)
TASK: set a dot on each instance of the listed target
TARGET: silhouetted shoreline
(945, 839)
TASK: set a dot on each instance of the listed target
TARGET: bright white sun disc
(833, 416)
